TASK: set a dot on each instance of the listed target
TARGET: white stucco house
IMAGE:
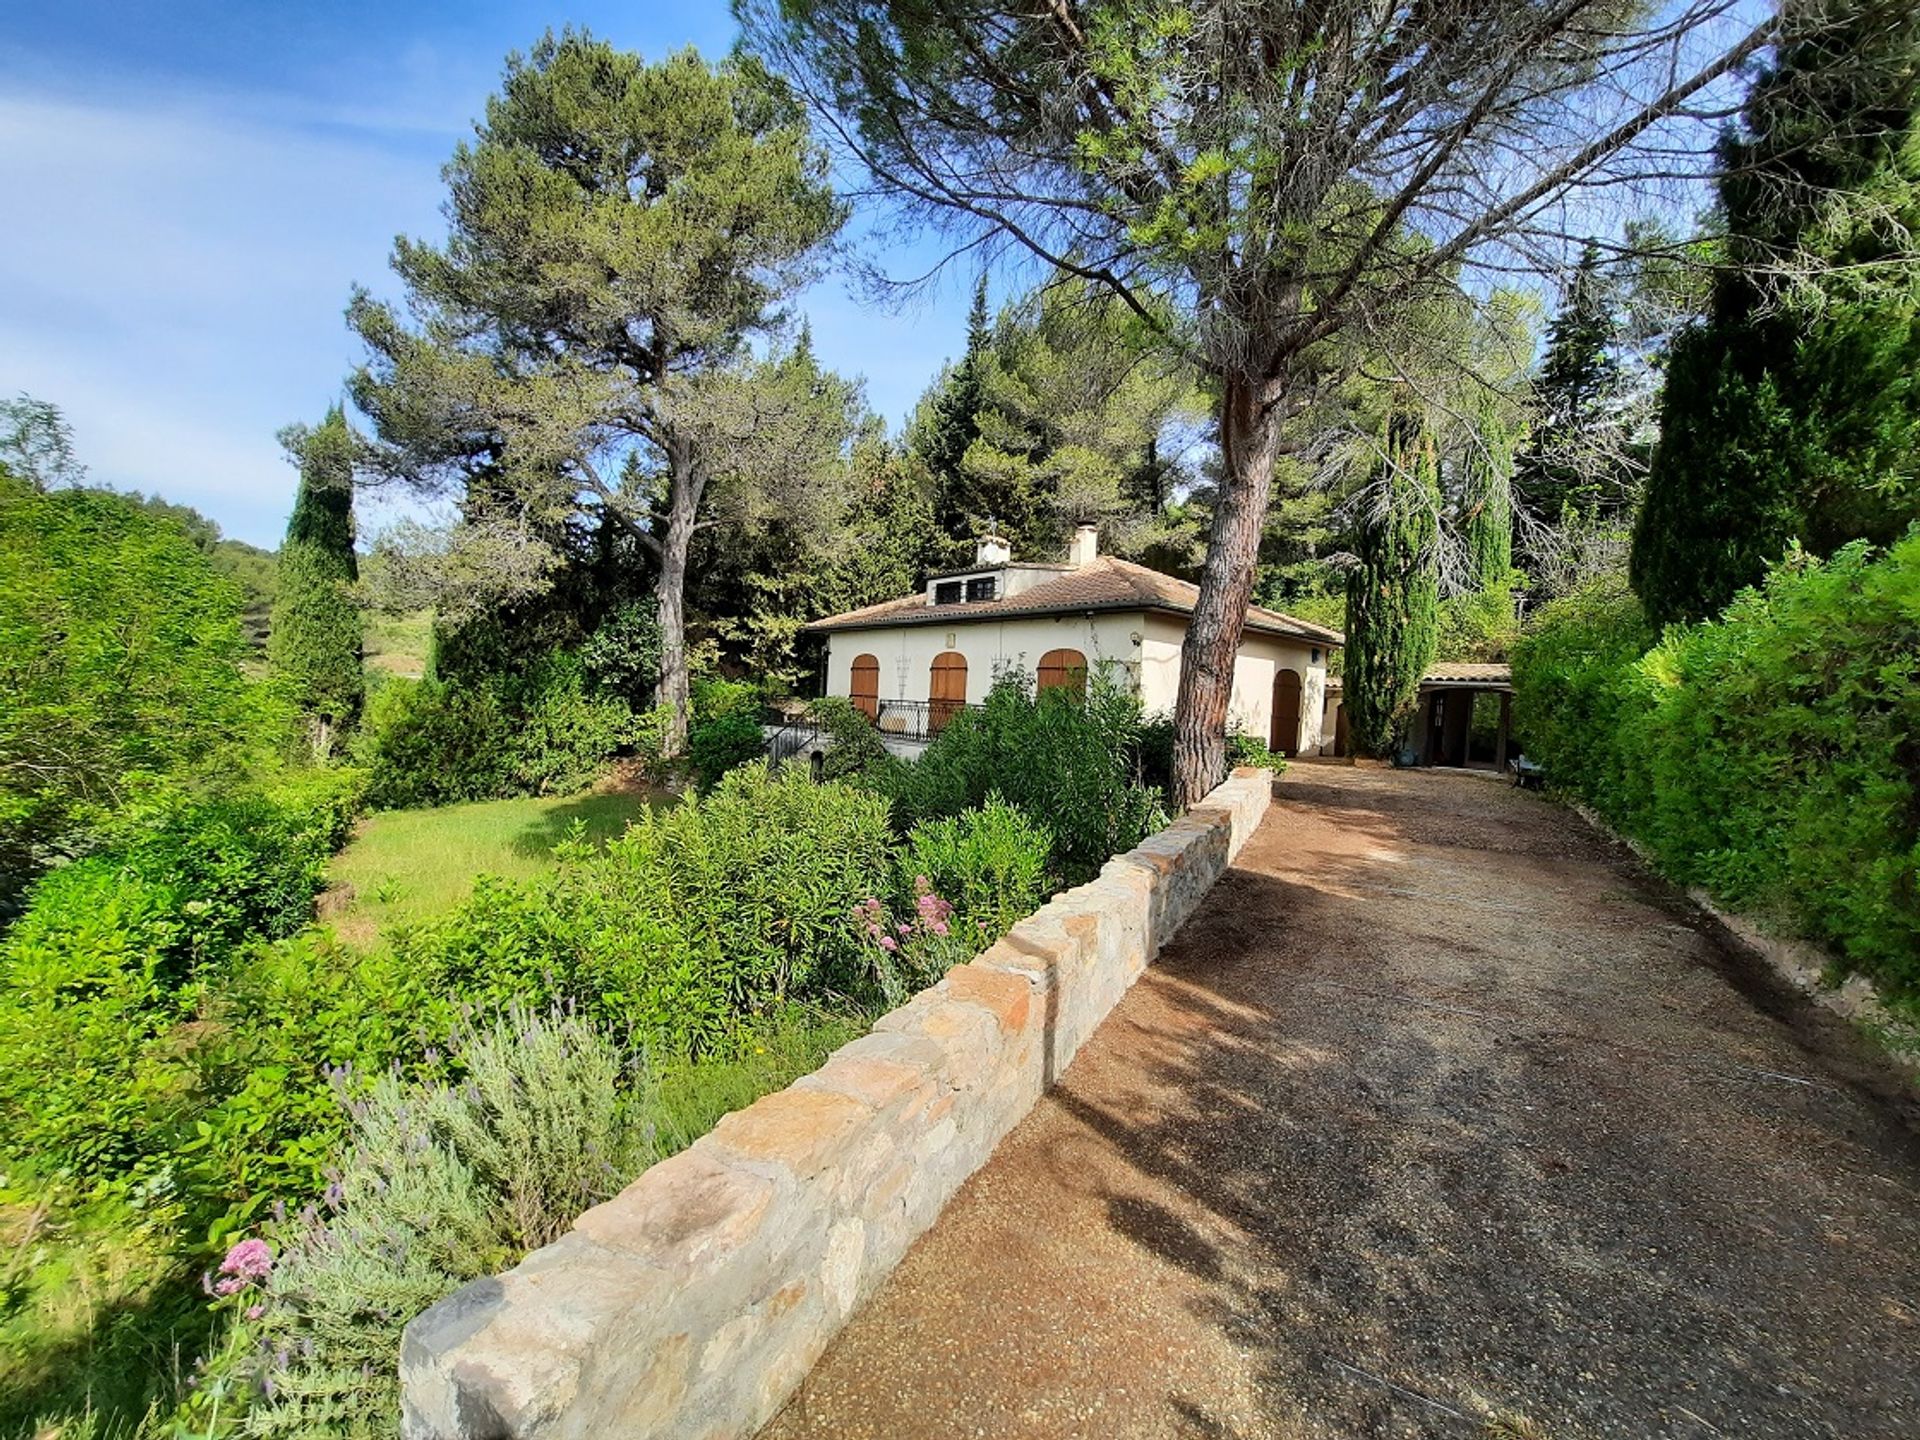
(910, 663)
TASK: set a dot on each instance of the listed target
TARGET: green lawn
(405, 865)
(398, 644)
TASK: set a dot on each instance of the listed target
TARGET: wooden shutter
(1063, 669)
(866, 686)
(948, 691)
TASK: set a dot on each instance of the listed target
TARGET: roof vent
(1084, 548)
(993, 550)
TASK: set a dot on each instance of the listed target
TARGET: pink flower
(254, 1312)
(887, 942)
(249, 1260)
(903, 927)
(232, 1285)
(938, 927)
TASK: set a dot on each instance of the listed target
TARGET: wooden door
(1062, 670)
(948, 691)
(866, 686)
(1286, 713)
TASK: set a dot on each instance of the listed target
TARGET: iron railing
(912, 720)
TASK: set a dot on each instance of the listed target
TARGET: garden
(242, 1145)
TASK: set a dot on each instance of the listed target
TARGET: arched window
(866, 686)
(1286, 713)
(1063, 670)
(948, 690)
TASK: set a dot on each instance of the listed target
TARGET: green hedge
(1771, 756)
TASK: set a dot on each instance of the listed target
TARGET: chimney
(992, 550)
(1084, 548)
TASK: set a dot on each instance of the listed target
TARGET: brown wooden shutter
(866, 686)
(948, 691)
(1062, 669)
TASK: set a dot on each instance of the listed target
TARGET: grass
(410, 865)
(397, 644)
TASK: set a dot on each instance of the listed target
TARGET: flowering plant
(914, 952)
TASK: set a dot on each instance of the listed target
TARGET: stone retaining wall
(695, 1301)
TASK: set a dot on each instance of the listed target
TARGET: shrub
(726, 732)
(1246, 749)
(696, 916)
(423, 742)
(565, 734)
(856, 746)
(1067, 761)
(991, 863)
(1768, 755)
(444, 1182)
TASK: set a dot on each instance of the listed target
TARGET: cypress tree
(1794, 416)
(1392, 592)
(316, 635)
(1489, 495)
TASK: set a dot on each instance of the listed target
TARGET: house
(1465, 717)
(910, 664)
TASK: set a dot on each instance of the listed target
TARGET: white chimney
(992, 550)
(1084, 548)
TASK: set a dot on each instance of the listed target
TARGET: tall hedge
(1393, 591)
(1772, 756)
(316, 637)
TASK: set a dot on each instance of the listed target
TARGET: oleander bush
(1771, 755)
(990, 864)
(1063, 759)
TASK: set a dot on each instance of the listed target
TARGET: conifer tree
(952, 424)
(316, 636)
(1489, 499)
(1393, 590)
(1792, 412)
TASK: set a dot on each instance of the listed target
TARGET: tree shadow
(602, 815)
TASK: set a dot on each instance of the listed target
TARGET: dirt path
(1437, 1109)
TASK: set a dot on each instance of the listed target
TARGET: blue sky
(191, 188)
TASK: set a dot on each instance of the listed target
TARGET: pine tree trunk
(683, 508)
(1249, 437)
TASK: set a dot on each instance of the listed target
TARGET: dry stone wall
(693, 1303)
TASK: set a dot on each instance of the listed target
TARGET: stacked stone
(694, 1303)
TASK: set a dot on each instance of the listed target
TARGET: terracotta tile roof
(1108, 583)
(1454, 673)
(1468, 673)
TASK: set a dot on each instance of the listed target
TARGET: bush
(1768, 756)
(1063, 759)
(990, 863)
(697, 916)
(566, 733)
(856, 747)
(725, 732)
(423, 742)
(444, 1182)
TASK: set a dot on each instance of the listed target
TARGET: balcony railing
(906, 720)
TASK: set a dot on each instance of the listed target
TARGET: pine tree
(1793, 415)
(316, 634)
(1393, 591)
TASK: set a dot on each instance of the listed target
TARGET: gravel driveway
(1438, 1119)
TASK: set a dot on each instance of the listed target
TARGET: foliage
(102, 971)
(1792, 412)
(543, 732)
(945, 427)
(617, 231)
(36, 444)
(316, 635)
(696, 916)
(622, 656)
(444, 1181)
(1245, 749)
(854, 744)
(1064, 760)
(989, 863)
(119, 666)
(1391, 593)
(1768, 756)
(1480, 625)
(726, 731)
